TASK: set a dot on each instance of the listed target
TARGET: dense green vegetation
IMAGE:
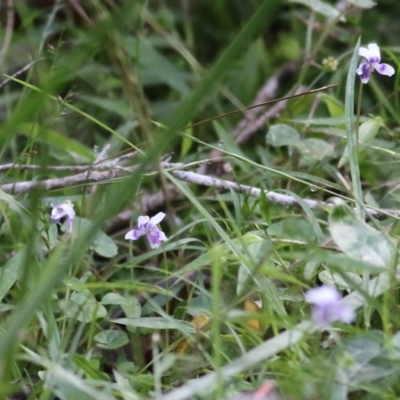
(111, 111)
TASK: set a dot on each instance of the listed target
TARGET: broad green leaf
(155, 323)
(332, 122)
(111, 339)
(51, 235)
(319, 7)
(84, 307)
(314, 150)
(112, 298)
(311, 269)
(310, 215)
(154, 67)
(130, 304)
(359, 240)
(242, 79)
(12, 203)
(131, 307)
(158, 301)
(368, 358)
(366, 134)
(103, 245)
(74, 284)
(127, 367)
(336, 279)
(335, 107)
(282, 135)
(199, 305)
(11, 271)
(293, 228)
(362, 3)
(394, 349)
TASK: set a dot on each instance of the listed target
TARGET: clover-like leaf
(359, 240)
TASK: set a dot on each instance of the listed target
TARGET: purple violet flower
(372, 56)
(64, 210)
(328, 306)
(148, 227)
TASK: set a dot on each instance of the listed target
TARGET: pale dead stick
(21, 71)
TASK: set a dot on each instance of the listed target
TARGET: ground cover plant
(199, 199)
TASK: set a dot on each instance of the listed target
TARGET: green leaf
(155, 323)
(336, 279)
(368, 360)
(311, 269)
(90, 367)
(359, 240)
(319, 7)
(264, 206)
(12, 203)
(335, 107)
(293, 228)
(310, 214)
(366, 134)
(84, 307)
(260, 250)
(314, 150)
(187, 142)
(362, 3)
(112, 298)
(132, 307)
(282, 135)
(11, 271)
(154, 67)
(333, 122)
(130, 304)
(103, 245)
(223, 251)
(111, 339)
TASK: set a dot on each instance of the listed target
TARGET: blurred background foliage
(132, 75)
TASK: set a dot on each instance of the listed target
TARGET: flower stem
(365, 275)
(360, 89)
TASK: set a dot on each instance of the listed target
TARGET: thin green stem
(360, 89)
(318, 45)
(352, 129)
(366, 275)
(351, 134)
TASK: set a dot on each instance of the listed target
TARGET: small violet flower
(328, 306)
(64, 210)
(372, 56)
(148, 226)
